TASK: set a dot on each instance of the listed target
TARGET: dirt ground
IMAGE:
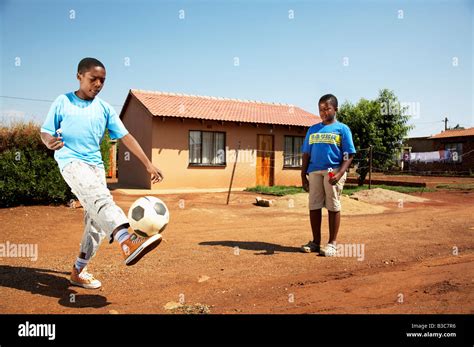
(417, 258)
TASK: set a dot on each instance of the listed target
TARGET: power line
(28, 99)
(40, 100)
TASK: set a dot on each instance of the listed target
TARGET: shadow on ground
(267, 248)
(50, 283)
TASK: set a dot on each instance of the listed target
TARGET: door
(265, 160)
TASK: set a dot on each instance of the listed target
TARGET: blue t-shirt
(83, 124)
(326, 145)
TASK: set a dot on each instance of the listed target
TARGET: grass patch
(348, 189)
(276, 190)
(454, 186)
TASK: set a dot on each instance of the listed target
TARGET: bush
(105, 151)
(28, 172)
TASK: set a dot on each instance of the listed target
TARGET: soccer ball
(148, 216)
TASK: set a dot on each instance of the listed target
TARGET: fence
(268, 167)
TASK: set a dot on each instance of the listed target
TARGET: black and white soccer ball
(148, 216)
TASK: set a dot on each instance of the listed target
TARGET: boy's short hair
(87, 63)
(328, 98)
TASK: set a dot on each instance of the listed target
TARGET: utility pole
(370, 166)
(445, 123)
(233, 172)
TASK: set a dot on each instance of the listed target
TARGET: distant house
(195, 141)
(420, 144)
(448, 151)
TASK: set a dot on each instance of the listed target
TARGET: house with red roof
(204, 142)
(455, 150)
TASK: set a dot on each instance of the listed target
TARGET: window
(453, 152)
(293, 157)
(206, 148)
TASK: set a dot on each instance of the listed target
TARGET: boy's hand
(55, 143)
(335, 178)
(304, 180)
(156, 174)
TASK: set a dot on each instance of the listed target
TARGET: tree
(105, 150)
(380, 123)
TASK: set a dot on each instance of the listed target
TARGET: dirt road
(418, 258)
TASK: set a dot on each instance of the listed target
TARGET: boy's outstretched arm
(304, 169)
(131, 143)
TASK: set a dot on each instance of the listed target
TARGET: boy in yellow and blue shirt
(328, 151)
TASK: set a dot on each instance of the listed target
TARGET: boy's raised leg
(123, 226)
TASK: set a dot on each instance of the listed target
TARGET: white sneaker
(329, 251)
(84, 279)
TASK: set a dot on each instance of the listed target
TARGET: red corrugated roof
(454, 133)
(222, 109)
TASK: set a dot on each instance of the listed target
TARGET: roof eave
(233, 121)
(448, 137)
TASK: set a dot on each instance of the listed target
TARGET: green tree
(380, 123)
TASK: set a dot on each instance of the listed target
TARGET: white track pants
(101, 215)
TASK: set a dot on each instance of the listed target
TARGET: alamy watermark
(37, 330)
(410, 108)
(19, 250)
(351, 250)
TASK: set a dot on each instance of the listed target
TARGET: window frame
(285, 166)
(223, 164)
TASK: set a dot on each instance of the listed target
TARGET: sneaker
(310, 247)
(329, 251)
(135, 247)
(84, 279)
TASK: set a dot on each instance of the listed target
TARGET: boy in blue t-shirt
(74, 128)
(328, 151)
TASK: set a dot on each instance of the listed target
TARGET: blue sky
(423, 50)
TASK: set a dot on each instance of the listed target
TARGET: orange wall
(171, 154)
